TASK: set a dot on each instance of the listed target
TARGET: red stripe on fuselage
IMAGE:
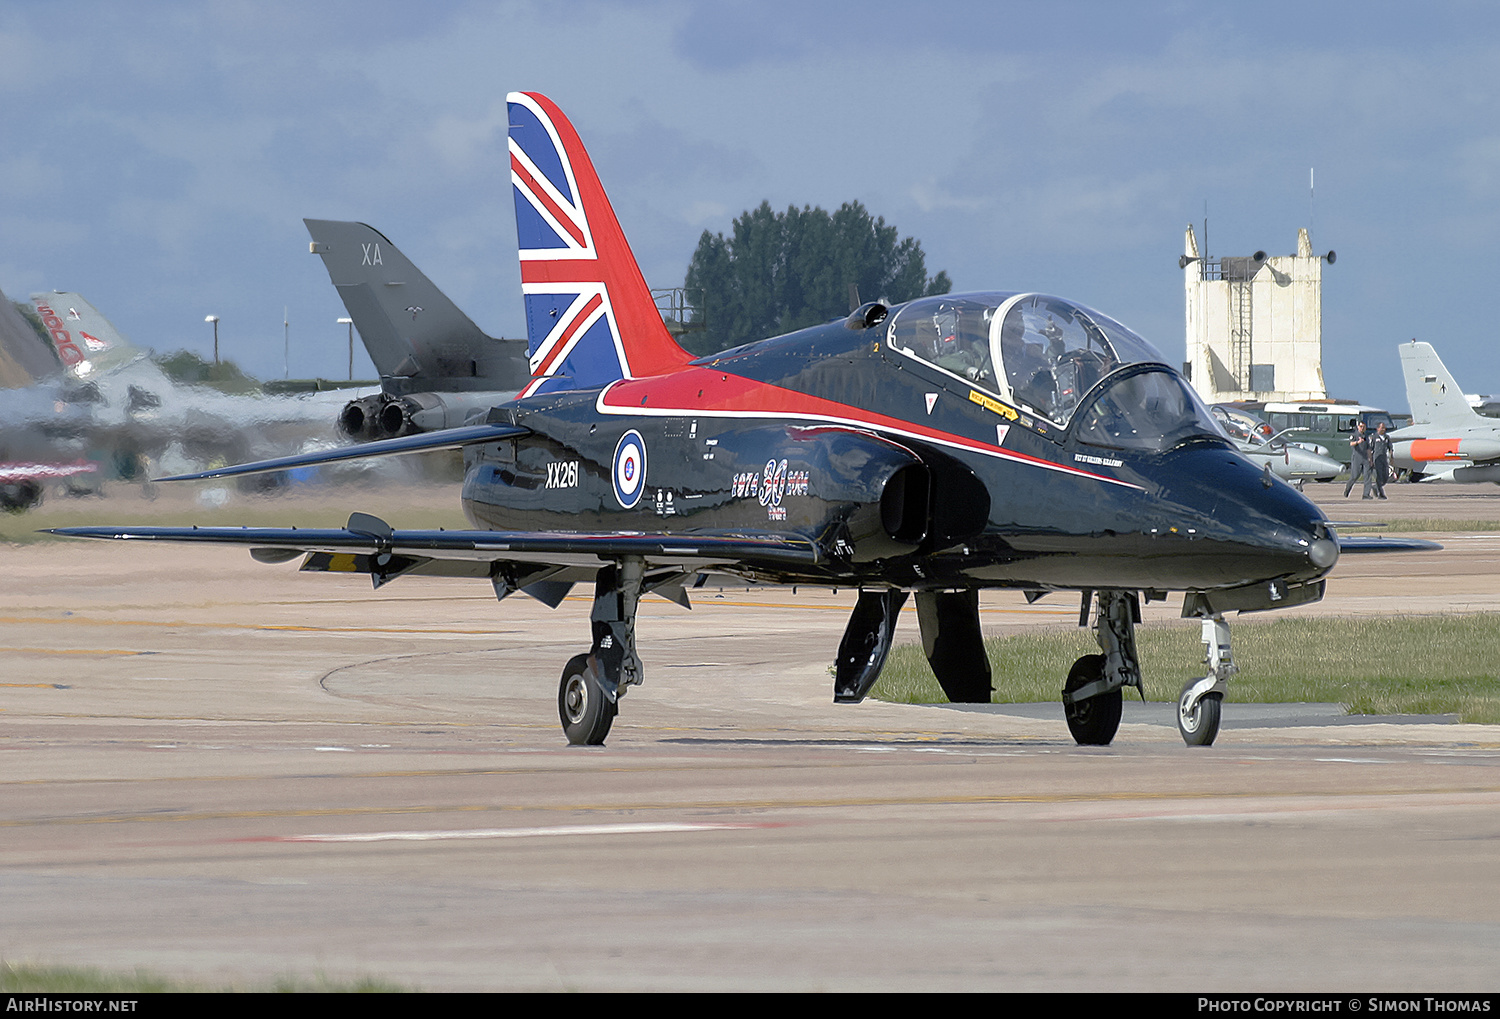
(713, 393)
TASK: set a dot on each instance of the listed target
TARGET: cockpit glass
(1054, 351)
(1148, 409)
(1241, 426)
(952, 333)
(1042, 353)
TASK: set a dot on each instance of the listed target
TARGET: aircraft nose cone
(1254, 531)
(1323, 553)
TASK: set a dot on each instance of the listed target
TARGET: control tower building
(1255, 324)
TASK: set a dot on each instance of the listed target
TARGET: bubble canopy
(1050, 356)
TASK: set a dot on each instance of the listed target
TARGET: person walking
(1380, 461)
(1359, 457)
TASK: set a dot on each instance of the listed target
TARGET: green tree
(186, 367)
(780, 271)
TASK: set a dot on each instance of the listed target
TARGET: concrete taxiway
(226, 771)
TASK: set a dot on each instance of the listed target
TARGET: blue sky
(159, 157)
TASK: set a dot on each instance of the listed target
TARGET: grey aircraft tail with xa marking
(437, 368)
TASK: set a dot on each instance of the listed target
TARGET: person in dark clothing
(1380, 461)
(1359, 457)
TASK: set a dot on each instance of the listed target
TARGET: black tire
(1095, 721)
(585, 712)
(1200, 726)
(20, 496)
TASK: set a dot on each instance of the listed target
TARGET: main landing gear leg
(1199, 703)
(953, 644)
(1093, 695)
(867, 640)
(592, 684)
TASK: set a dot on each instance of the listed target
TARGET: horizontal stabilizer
(451, 438)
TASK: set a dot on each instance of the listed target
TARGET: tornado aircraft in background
(437, 368)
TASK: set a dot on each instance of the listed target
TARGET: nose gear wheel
(1198, 722)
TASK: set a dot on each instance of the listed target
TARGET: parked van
(1328, 424)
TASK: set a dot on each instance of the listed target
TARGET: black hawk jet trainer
(935, 448)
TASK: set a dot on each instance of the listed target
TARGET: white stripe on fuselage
(952, 442)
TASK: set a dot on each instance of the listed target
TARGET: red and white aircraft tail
(87, 343)
(590, 319)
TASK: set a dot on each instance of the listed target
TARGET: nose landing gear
(1199, 704)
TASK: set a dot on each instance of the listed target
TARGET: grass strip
(30, 978)
(1427, 525)
(1398, 665)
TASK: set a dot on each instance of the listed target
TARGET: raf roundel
(630, 469)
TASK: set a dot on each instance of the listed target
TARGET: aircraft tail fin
(24, 358)
(589, 315)
(417, 337)
(1435, 398)
(86, 341)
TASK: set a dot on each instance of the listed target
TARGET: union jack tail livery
(590, 319)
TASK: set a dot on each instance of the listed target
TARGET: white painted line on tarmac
(509, 833)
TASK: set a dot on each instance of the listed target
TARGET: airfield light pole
(215, 320)
(286, 344)
(350, 323)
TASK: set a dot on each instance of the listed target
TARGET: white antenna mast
(1311, 191)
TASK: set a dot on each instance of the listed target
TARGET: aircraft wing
(1373, 543)
(1376, 543)
(450, 438)
(368, 545)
